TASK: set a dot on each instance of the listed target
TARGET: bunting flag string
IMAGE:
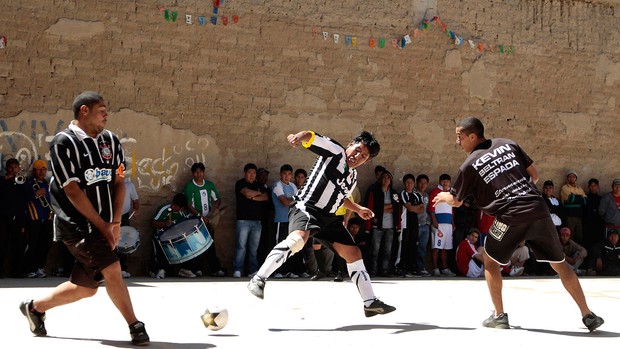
(213, 18)
(408, 38)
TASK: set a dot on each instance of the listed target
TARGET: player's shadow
(398, 328)
(584, 333)
(127, 343)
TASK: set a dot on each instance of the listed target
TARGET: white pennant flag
(325, 35)
(471, 43)
(336, 37)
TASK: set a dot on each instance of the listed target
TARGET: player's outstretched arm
(298, 138)
(448, 198)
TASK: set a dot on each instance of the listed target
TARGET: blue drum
(185, 240)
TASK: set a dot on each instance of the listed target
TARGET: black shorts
(92, 254)
(325, 229)
(540, 236)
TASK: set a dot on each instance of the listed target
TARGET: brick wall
(227, 95)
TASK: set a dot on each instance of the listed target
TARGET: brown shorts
(540, 236)
(92, 254)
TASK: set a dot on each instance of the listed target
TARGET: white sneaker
(516, 271)
(436, 272)
(292, 276)
(31, 275)
(237, 274)
(448, 272)
(125, 274)
(161, 274)
(198, 273)
(41, 273)
(184, 273)
(278, 276)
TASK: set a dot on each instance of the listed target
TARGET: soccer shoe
(499, 321)
(338, 277)
(378, 307)
(257, 287)
(138, 334)
(37, 322)
(592, 321)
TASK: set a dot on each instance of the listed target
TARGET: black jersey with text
(495, 174)
(330, 181)
(93, 163)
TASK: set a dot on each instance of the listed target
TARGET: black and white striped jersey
(330, 180)
(94, 164)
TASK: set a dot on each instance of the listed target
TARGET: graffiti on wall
(153, 160)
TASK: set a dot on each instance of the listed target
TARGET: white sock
(280, 253)
(361, 279)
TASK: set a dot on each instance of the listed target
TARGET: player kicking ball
(313, 213)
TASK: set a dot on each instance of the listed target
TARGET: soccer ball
(215, 318)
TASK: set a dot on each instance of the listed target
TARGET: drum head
(184, 226)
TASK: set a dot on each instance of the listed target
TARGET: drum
(130, 240)
(185, 240)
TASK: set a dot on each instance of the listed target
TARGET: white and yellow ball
(215, 318)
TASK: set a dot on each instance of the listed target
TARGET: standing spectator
(88, 190)
(378, 171)
(609, 208)
(282, 197)
(442, 224)
(412, 206)
(573, 252)
(608, 258)
(484, 224)
(469, 260)
(556, 210)
(424, 224)
(204, 201)
(131, 205)
(13, 198)
(267, 238)
(383, 201)
(312, 266)
(574, 202)
(38, 221)
(464, 218)
(593, 225)
(250, 198)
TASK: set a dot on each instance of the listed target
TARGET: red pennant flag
(225, 20)
(372, 42)
(235, 19)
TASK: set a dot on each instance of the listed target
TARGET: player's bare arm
(298, 138)
(531, 170)
(448, 198)
(364, 212)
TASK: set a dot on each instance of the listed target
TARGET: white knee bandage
(294, 242)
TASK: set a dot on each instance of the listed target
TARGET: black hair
(408, 176)
(548, 183)
(422, 176)
(366, 138)
(593, 180)
(88, 98)
(11, 161)
(472, 125)
(355, 221)
(180, 200)
(249, 166)
(286, 167)
(379, 169)
(302, 171)
(198, 165)
(445, 177)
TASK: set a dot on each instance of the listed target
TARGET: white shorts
(442, 237)
(474, 270)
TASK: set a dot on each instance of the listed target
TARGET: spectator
(204, 201)
(520, 257)
(574, 202)
(557, 211)
(38, 221)
(573, 252)
(13, 198)
(469, 256)
(609, 208)
(442, 223)
(412, 206)
(608, 259)
(131, 205)
(384, 203)
(593, 224)
(267, 238)
(250, 196)
(312, 266)
(424, 225)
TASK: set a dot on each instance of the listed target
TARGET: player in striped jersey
(332, 179)
(88, 190)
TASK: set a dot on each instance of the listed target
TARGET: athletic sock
(361, 279)
(280, 253)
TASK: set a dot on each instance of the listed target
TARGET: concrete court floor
(431, 312)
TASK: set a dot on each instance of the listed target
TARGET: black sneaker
(338, 277)
(37, 322)
(499, 321)
(318, 276)
(257, 287)
(138, 334)
(378, 307)
(592, 321)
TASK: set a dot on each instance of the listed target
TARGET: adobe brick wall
(227, 95)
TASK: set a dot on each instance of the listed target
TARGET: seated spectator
(573, 252)
(516, 266)
(608, 260)
(557, 212)
(469, 256)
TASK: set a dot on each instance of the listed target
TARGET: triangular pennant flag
(354, 41)
(407, 39)
(336, 38)
(372, 42)
(167, 15)
(202, 20)
(325, 35)
(214, 20)
(347, 40)
(381, 42)
(480, 47)
(225, 20)
(174, 16)
(471, 43)
(188, 19)
(235, 19)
